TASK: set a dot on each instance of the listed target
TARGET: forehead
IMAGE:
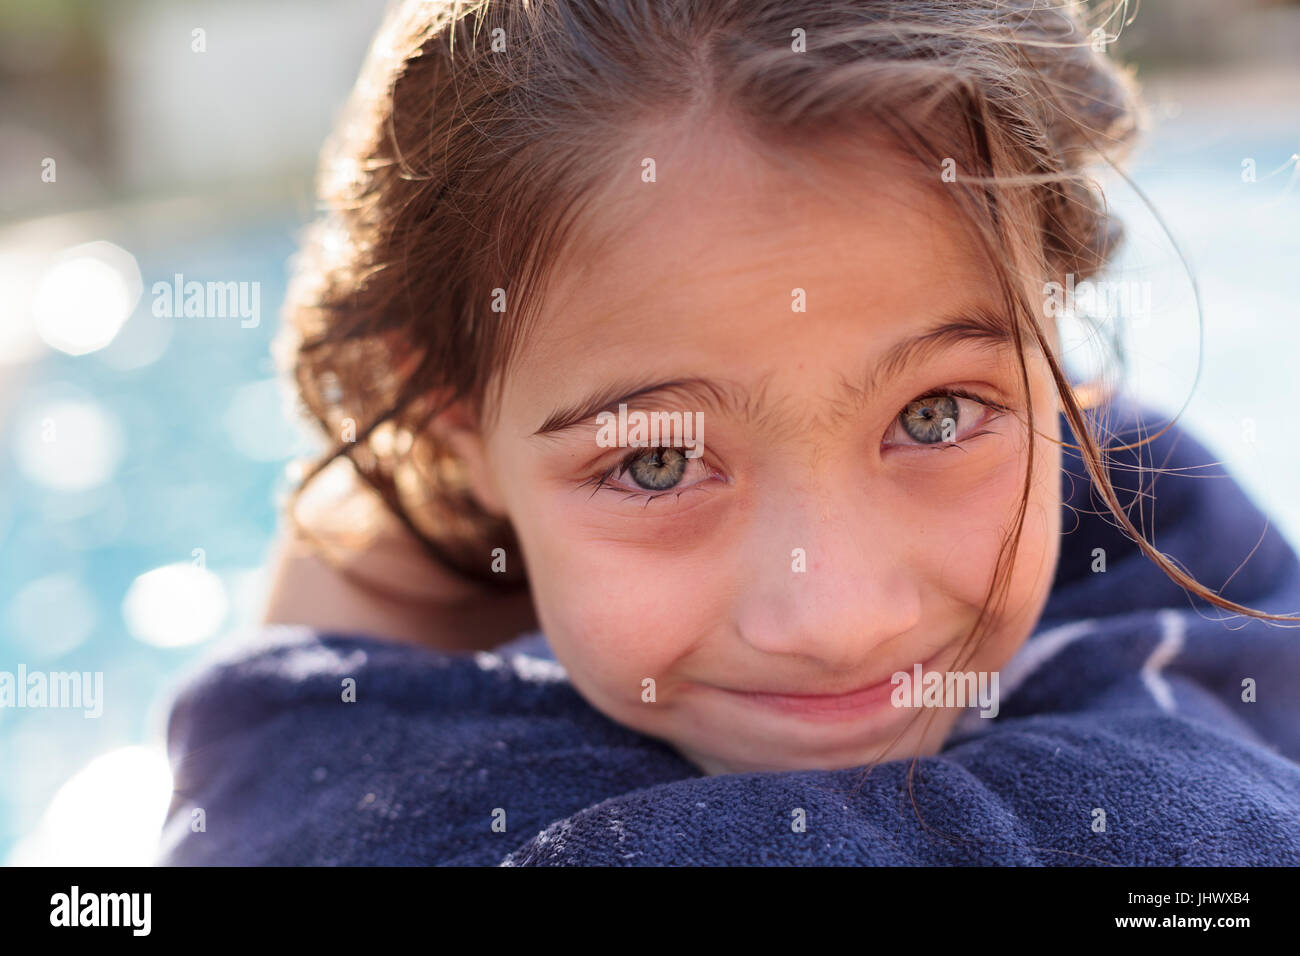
(705, 263)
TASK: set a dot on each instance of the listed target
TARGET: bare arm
(385, 585)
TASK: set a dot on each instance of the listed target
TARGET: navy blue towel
(1136, 727)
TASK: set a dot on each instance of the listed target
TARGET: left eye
(943, 418)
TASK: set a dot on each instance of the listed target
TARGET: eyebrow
(979, 325)
(716, 395)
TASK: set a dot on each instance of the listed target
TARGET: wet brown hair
(480, 131)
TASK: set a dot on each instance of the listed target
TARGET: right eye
(647, 472)
(657, 470)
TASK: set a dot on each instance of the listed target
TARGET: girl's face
(738, 603)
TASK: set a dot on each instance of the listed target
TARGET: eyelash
(598, 481)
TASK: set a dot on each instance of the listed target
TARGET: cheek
(962, 525)
(613, 613)
(1035, 561)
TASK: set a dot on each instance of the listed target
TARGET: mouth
(834, 706)
(847, 705)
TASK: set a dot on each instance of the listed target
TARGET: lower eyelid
(626, 504)
(637, 490)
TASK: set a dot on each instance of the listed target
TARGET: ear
(457, 429)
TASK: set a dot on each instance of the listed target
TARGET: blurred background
(143, 455)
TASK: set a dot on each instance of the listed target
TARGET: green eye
(931, 420)
(659, 469)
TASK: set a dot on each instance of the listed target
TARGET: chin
(923, 736)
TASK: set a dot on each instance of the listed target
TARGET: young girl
(814, 241)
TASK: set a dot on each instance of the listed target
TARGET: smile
(830, 707)
(835, 706)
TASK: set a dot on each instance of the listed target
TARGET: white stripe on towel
(1172, 628)
(1033, 654)
(1037, 651)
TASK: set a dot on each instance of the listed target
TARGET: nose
(828, 576)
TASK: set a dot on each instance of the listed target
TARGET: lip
(832, 707)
